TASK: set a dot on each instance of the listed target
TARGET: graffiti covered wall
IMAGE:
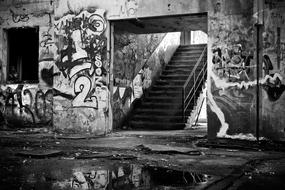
(132, 51)
(273, 97)
(231, 69)
(82, 93)
(122, 9)
(72, 58)
(147, 63)
(75, 39)
(27, 104)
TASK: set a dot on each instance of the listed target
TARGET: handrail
(201, 75)
(196, 77)
(193, 88)
(195, 67)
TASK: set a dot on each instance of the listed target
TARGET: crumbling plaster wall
(127, 92)
(232, 71)
(82, 103)
(73, 65)
(131, 53)
(273, 97)
(122, 9)
(27, 104)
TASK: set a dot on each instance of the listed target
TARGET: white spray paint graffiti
(211, 102)
(125, 8)
(222, 84)
(81, 56)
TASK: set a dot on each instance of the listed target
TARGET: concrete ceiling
(162, 24)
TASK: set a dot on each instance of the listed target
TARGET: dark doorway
(23, 48)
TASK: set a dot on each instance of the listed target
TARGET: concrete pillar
(185, 38)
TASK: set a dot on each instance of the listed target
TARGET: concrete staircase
(161, 107)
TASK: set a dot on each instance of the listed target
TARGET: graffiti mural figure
(232, 63)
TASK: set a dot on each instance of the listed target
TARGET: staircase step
(174, 76)
(172, 93)
(166, 87)
(170, 82)
(156, 125)
(157, 105)
(187, 53)
(184, 66)
(180, 65)
(176, 68)
(191, 47)
(186, 57)
(157, 111)
(187, 71)
(184, 62)
(163, 99)
(177, 71)
(157, 118)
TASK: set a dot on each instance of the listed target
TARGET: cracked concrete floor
(135, 160)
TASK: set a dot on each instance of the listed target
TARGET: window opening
(23, 44)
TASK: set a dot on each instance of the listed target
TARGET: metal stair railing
(195, 80)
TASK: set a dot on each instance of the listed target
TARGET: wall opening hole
(23, 48)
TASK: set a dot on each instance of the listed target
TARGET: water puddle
(134, 177)
(117, 176)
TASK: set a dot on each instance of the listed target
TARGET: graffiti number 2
(82, 87)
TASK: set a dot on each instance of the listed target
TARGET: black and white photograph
(142, 94)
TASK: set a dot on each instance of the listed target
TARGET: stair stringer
(196, 109)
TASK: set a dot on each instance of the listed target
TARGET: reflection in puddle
(133, 177)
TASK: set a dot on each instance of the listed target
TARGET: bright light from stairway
(198, 37)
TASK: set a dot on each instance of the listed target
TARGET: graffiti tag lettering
(232, 63)
(80, 59)
(19, 17)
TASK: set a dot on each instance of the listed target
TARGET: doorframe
(110, 58)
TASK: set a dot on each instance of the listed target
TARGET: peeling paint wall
(119, 9)
(132, 51)
(122, 9)
(126, 95)
(82, 98)
(73, 92)
(122, 101)
(232, 70)
(26, 104)
(73, 69)
(163, 53)
(273, 97)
